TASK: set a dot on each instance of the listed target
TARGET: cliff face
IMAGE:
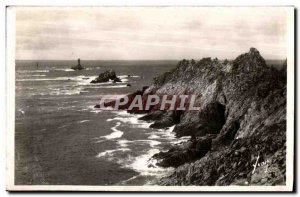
(242, 118)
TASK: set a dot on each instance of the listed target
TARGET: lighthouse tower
(79, 65)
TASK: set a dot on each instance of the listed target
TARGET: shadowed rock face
(242, 116)
(106, 76)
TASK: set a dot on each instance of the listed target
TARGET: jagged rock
(242, 115)
(225, 61)
(106, 76)
(154, 115)
(185, 152)
(211, 120)
(243, 104)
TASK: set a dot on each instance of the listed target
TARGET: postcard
(150, 99)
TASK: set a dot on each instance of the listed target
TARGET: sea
(61, 139)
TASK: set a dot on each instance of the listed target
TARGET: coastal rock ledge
(242, 122)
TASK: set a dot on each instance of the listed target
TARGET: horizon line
(121, 59)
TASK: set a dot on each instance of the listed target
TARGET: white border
(10, 103)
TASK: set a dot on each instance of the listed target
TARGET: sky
(148, 33)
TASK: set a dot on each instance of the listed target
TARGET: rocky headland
(241, 122)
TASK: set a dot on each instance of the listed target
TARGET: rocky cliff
(241, 123)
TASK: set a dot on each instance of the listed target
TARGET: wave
(60, 92)
(128, 76)
(63, 69)
(33, 75)
(21, 111)
(143, 164)
(132, 119)
(74, 78)
(146, 166)
(115, 134)
(63, 126)
(109, 152)
(32, 71)
(93, 68)
(82, 121)
(113, 86)
(125, 143)
(153, 137)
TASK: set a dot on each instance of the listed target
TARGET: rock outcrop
(242, 117)
(78, 67)
(106, 76)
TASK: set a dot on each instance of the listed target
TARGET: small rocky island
(78, 67)
(106, 76)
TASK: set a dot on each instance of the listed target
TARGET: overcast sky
(125, 33)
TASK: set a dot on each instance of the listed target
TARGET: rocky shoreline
(241, 123)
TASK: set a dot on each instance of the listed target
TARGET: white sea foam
(132, 119)
(152, 143)
(93, 68)
(32, 71)
(62, 126)
(61, 92)
(146, 166)
(97, 110)
(83, 121)
(110, 152)
(144, 163)
(104, 153)
(123, 143)
(180, 140)
(126, 76)
(74, 78)
(170, 129)
(64, 69)
(141, 164)
(113, 86)
(115, 134)
(22, 111)
(123, 80)
(153, 137)
(34, 75)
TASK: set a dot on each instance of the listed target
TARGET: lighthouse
(78, 67)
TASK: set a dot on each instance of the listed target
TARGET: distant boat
(78, 67)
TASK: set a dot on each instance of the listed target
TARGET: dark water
(61, 139)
